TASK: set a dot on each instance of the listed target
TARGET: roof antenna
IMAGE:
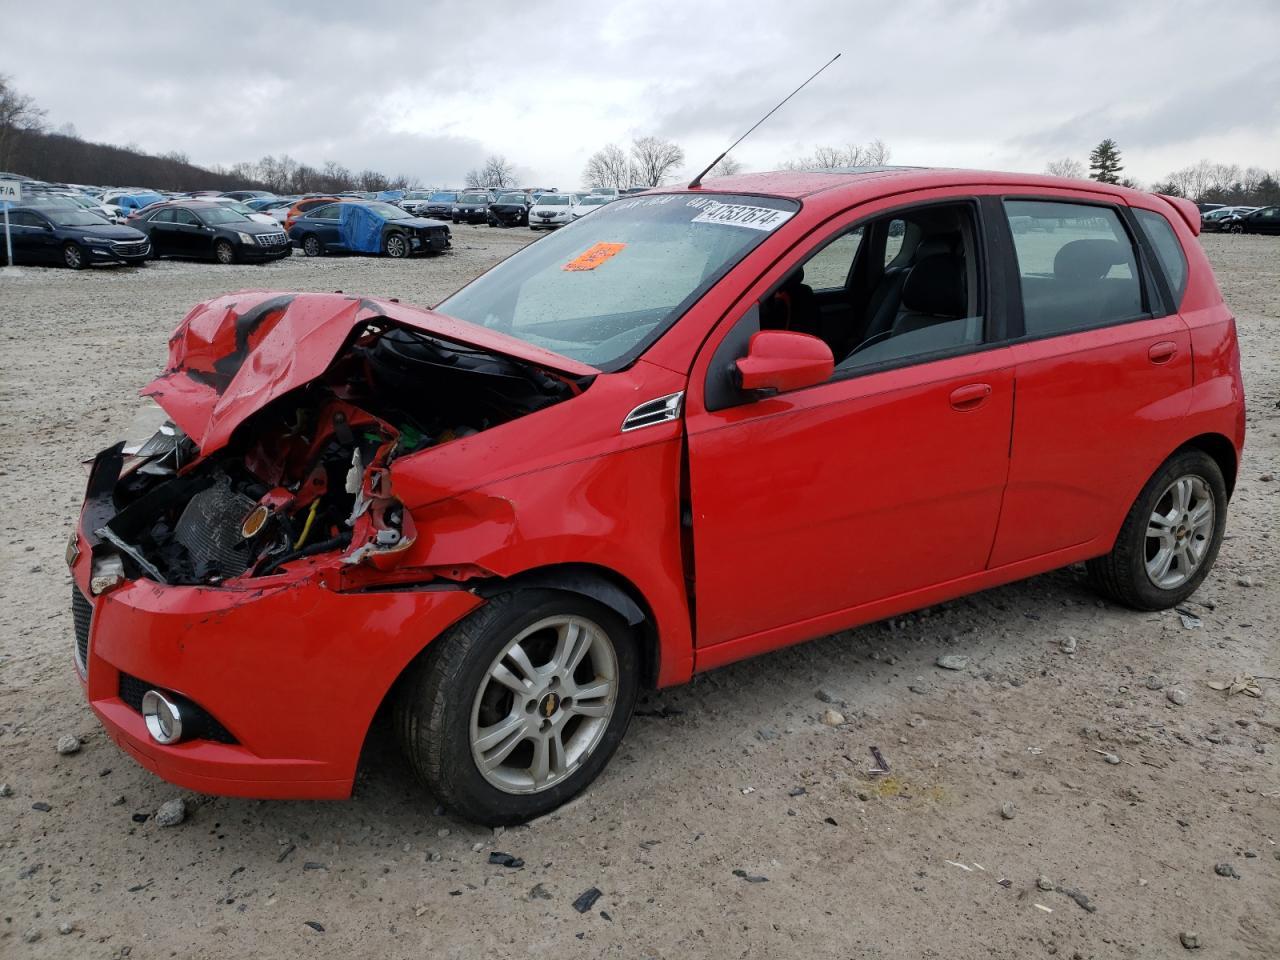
(697, 181)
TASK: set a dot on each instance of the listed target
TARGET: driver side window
(901, 288)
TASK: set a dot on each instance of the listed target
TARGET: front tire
(224, 253)
(1170, 538)
(396, 246)
(515, 710)
(73, 256)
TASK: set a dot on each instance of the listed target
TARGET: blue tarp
(391, 196)
(360, 228)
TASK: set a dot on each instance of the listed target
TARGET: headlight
(107, 574)
(246, 238)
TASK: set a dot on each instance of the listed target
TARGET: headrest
(938, 243)
(1087, 259)
(936, 286)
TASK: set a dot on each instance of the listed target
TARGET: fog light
(164, 719)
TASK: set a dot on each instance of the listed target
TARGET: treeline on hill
(28, 148)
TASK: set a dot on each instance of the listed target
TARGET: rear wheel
(73, 256)
(516, 709)
(224, 253)
(396, 245)
(1170, 538)
(311, 246)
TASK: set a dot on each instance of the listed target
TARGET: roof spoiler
(1186, 209)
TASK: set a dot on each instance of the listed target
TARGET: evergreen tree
(1104, 162)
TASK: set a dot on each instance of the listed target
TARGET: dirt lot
(732, 773)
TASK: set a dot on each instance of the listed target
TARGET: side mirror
(781, 360)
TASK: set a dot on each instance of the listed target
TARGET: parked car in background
(131, 200)
(440, 204)
(509, 210)
(1216, 220)
(492, 517)
(71, 236)
(589, 203)
(551, 210)
(276, 209)
(208, 230)
(245, 195)
(1262, 220)
(414, 200)
(471, 207)
(367, 226)
(299, 207)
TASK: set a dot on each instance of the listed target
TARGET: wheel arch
(1223, 452)
(595, 582)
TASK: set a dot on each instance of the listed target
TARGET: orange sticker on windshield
(594, 256)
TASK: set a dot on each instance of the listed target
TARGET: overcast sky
(429, 89)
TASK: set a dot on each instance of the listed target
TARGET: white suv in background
(551, 210)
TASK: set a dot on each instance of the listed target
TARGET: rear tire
(543, 723)
(311, 246)
(1170, 537)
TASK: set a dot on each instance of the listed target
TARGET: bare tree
(1067, 167)
(18, 113)
(727, 167)
(828, 157)
(498, 172)
(608, 167)
(655, 159)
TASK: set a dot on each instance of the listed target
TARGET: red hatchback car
(693, 427)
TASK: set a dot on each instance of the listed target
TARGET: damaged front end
(287, 415)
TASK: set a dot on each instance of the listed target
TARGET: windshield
(602, 289)
(474, 198)
(241, 208)
(71, 217)
(415, 195)
(221, 215)
(449, 197)
(388, 210)
(511, 198)
(593, 201)
(553, 200)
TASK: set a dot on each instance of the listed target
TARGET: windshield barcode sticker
(742, 215)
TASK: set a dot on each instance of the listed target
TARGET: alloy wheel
(544, 704)
(224, 253)
(1179, 532)
(396, 246)
(73, 257)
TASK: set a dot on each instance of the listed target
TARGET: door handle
(971, 396)
(1162, 352)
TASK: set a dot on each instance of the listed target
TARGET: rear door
(324, 222)
(1103, 376)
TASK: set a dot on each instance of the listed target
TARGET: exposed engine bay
(309, 472)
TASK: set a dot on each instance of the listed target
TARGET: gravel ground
(733, 822)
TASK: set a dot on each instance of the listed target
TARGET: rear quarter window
(1173, 260)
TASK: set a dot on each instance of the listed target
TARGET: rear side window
(1173, 261)
(1077, 266)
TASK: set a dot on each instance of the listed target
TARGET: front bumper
(469, 216)
(119, 253)
(292, 670)
(252, 253)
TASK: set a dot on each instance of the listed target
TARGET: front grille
(82, 617)
(130, 249)
(205, 726)
(272, 239)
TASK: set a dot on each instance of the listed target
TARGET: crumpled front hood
(231, 356)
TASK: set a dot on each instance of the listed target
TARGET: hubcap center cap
(548, 705)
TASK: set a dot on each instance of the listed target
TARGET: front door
(886, 479)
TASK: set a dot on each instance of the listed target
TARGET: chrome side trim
(652, 412)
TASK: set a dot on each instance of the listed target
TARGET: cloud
(429, 90)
